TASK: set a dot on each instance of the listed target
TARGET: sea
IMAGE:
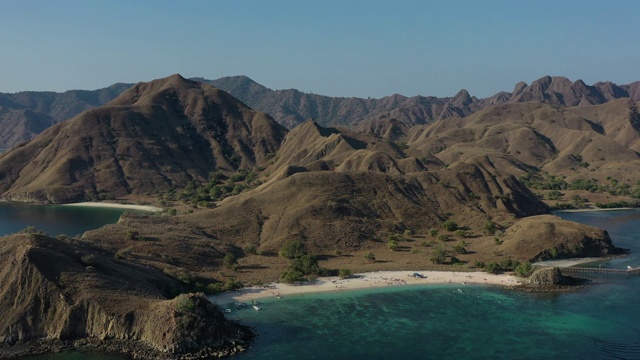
(454, 321)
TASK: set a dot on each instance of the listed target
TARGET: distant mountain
(292, 107)
(26, 114)
(156, 135)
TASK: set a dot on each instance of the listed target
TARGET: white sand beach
(363, 281)
(115, 205)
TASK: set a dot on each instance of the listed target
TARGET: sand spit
(363, 281)
(115, 205)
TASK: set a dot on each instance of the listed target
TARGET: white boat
(240, 305)
(227, 310)
(256, 307)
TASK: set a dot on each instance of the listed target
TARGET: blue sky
(337, 48)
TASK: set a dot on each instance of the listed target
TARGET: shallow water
(440, 322)
(55, 220)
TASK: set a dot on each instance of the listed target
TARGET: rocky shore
(130, 348)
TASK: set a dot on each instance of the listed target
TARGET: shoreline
(592, 209)
(115, 205)
(366, 280)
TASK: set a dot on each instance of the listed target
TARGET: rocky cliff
(55, 291)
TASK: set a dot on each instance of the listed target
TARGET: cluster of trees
(557, 183)
(521, 269)
(216, 188)
(303, 266)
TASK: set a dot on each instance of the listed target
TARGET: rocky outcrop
(56, 292)
(550, 277)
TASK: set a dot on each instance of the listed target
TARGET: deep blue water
(439, 322)
(55, 220)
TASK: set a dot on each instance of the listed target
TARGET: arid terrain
(467, 186)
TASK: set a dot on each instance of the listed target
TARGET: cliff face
(52, 290)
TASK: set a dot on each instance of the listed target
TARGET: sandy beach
(363, 281)
(115, 205)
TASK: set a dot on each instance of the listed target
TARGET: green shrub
(493, 268)
(88, 259)
(460, 248)
(232, 285)
(450, 225)
(370, 257)
(439, 255)
(489, 227)
(344, 273)
(508, 264)
(293, 250)
(392, 245)
(524, 269)
(213, 288)
(250, 249)
(478, 264)
(185, 304)
(230, 261)
(132, 234)
(433, 232)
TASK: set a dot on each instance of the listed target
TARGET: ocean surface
(441, 322)
(55, 220)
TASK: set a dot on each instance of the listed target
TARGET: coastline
(115, 205)
(365, 281)
(592, 209)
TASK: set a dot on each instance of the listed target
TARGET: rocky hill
(154, 136)
(26, 114)
(67, 293)
(291, 107)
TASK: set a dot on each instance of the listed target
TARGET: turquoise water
(601, 322)
(55, 220)
(439, 322)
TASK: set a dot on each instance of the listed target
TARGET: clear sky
(337, 48)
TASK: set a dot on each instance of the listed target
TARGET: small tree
(370, 257)
(450, 225)
(442, 237)
(525, 269)
(344, 273)
(461, 233)
(132, 234)
(392, 245)
(439, 255)
(408, 233)
(185, 304)
(489, 228)
(230, 261)
(493, 268)
(293, 250)
(433, 232)
(460, 248)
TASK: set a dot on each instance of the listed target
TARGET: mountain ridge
(291, 107)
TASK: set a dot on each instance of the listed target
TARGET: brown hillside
(154, 136)
(586, 141)
(53, 290)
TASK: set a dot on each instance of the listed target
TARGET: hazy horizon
(329, 48)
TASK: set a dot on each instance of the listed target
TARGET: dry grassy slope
(37, 110)
(154, 136)
(47, 292)
(345, 210)
(316, 148)
(525, 136)
(18, 125)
